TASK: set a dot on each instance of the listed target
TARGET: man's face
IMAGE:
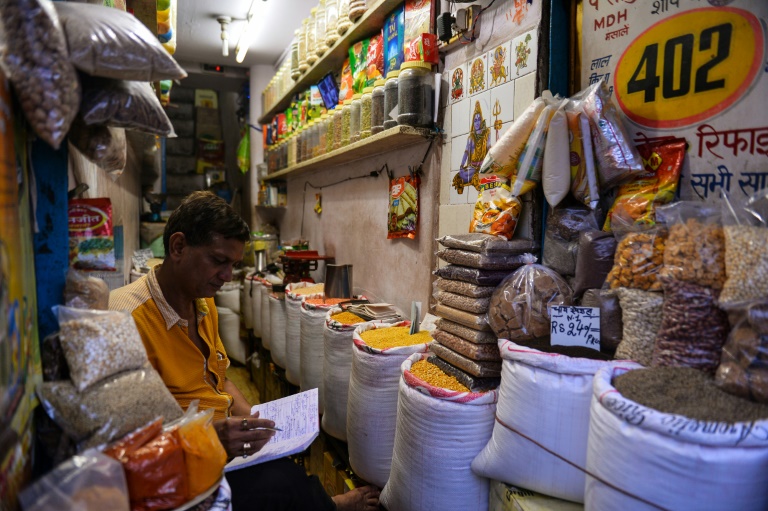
(208, 267)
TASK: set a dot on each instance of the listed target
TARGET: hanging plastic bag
(104, 146)
(403, 207)
(555, 170)
(82, 291)
(528, 172)
(244, 152)
(497, 210)
(584, 185)
(204, 455)
(91, 243)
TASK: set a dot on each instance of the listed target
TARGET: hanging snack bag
(529, 165)
(496, 210)
(639, 257)
(403, 207)
(375, 61)
(555, 170)
(617, 158)
(346, 89)
(637, 200)
(358, 61)
(583, 176)
(502, 157)
(91, 244)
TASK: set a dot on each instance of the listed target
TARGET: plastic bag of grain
(556, 171)
(641, 459)
(543, 409)
(337, 364)
(294, 295)
(277, 324)
(439, 432)
(372, 399)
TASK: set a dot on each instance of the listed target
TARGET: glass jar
(311, 46)
(346, 115)
(391, 97)
(291, 154)
(416, 94)
(320, 45)
(354, 118)
(300, 146)
(356, 9)
(315, 137)
(303, 64)
(295, 73)
(322, 133)
(366, 104)
(329, 135)
(338, 121)
(377, 106)
(343, 23)
(331, 19)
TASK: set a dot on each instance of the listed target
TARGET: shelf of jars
(333, 59)
(388, 140)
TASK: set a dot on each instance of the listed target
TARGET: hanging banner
(695, 69)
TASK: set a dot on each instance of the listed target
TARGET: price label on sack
(575, 326)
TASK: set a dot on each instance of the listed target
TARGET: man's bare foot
(359, 499)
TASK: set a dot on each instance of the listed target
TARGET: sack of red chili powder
(91, 243)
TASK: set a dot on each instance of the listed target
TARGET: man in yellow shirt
(174, 311)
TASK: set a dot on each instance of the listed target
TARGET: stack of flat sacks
(465, 346)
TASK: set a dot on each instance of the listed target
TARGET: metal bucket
(338, 281)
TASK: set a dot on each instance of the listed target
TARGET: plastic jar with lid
(416, 94)
(300, 137)
(331, 20)
(320, 45)
(329, 131)
(311, 46)
(377, 106)
(357, 8)
(343, 23)
(303, 64)
(391, 97)
(366, 105)
(346, 116)
(338, 121)
(315, 138)
(291, 152)
(354, 118)
(295, 73)
(322, 135)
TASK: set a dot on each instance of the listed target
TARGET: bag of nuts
(744, 364)
(639, 257)
(695, 249)
(37, 62)
(641, 317)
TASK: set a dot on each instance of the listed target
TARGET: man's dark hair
(200, 216)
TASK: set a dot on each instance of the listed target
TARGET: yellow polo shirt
(186, 373)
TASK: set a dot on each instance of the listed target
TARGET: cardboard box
(206, 98)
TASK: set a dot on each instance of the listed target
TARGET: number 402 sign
(696, 64)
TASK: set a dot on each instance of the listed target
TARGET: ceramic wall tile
(458, 83)
(457, 151)
(455, 197)
(499, 65)
(497, 134)
(472, 194)
(523, 54)
(477, 74)
(459, 118)
(502, 104)
(525, 93)
(454, 219)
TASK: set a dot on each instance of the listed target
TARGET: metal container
(338, 281)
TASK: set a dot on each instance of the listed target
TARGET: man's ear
(176, 244)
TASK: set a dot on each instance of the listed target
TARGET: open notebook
(297, 416)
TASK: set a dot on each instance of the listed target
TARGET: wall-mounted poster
(19, 347)
(688, 68)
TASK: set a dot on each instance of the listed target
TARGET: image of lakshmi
(474, 152)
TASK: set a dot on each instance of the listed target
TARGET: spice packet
(496, 210)
(403, 207)
(375, 60)
(91, 243)
(346, 89)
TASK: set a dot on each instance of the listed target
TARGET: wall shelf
(388, 140)
(369, 24)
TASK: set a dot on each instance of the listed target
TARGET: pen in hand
(268, 429)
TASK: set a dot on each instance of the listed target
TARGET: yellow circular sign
(689, 67)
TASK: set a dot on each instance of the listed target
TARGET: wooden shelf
(388, 140)
(369, 24)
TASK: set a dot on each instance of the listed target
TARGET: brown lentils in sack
(466, 348)
(464, 303)
(641, 317)
(464, 288)
(480, 368)
(466, 333)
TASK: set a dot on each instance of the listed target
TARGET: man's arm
(240, 406)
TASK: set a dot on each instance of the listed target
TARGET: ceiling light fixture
(246, 36)
(224, 21)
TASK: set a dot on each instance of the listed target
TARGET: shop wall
(507, 85)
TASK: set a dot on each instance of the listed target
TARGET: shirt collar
(170, 316)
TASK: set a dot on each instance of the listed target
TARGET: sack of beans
(692, 330)
(338, 331)
(462, 302)
(743, 369)
(488, 244)
(311, 343)
(379, 350)
(481, 261)
(439, 433)
(611, 324)
(277, 324)
(519, 308)
(294, 295)
(561, 239)
(36, 60)
(469, 334)
(667, 438)
(464, 288)
(543, 409)
(594, 260)
(471, 275)
(641, 318)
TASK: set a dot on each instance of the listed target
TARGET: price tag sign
(575, 326)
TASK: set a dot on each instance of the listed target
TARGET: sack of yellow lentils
(439, 433)
(379, 350)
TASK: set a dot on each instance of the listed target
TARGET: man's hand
(240, 435)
